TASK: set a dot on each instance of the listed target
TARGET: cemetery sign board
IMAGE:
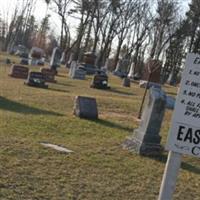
(184, 136)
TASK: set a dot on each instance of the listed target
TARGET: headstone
(55, 58)
(19, 71)
(63, 60)
(122, 68)
(100, 81)
(49, 74)
(36, 79)
(135, 71)
(146, 139)
(35, 55)
(126, 82)
(72, 68)
(79, 73)
(152, 71)
(24, 61)
(8, 61)
(89, 63)
(85, 107)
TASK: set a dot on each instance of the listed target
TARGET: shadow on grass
(9, 105)
(184, 165)
(119, 92)
(57, 90)
(65, 84)
(112, 125)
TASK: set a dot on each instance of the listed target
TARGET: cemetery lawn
(99, 168)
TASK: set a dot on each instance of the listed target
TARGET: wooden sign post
(184, 134)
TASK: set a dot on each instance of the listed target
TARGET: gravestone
(89, 59)
(49, 74)
(135, 71)
(100, 81)
(63, 58)
(122, 68)
(146, 139)
(126, 82)
(24, 61)
(151, 73)
(36, 79)
(72, 68)
(55, 58)
(35, 55)
(19, 71)
(85, 107)
(79, 73)
(8, 61)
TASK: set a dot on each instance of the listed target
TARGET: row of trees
(132, 29)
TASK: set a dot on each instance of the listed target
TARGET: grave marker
(55, 58)
(85, 107)
(49, 74)
(100, 81)
(19, 71)
(36, 79)
(146, 139)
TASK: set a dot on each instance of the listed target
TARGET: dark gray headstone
(36, 79)
(24, 61)
(55, 58)
(126, 82)
(146, 139)
(85, 107)
(78, 73)
(100, 81)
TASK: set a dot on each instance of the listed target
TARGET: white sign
(184, 136)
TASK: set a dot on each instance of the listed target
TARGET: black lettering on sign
(197, 60)
(180, 133)
(188, 136)
(196, 73)
(187, 82)
(185, 92)
(187, 113)
(196, 140)
(191, 103)
(192, 94)
(196, 151)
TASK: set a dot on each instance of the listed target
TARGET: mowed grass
(99, 168)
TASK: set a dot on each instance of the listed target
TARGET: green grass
(99, 168)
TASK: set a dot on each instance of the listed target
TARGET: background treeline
(130, 29)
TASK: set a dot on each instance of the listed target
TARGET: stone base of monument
(85, 107)
(144, 84)
(49, 74)
(36, 79)
(126, 82)
(143, 144)
(24, 61)
(19, 71)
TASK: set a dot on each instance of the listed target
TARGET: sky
(7, 8)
